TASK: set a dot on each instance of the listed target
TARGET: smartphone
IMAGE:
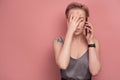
(86, 32)
(86, 26)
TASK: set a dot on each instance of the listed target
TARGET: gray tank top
(77, 69)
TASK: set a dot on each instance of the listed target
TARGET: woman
(77, 53)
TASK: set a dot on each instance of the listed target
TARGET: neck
(78, 37)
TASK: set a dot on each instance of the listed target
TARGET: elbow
(62, 65)
(96, 72)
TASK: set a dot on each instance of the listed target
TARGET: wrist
(69, 32)
(91, 41)
(91, 45)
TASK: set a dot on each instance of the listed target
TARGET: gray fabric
(77, 69)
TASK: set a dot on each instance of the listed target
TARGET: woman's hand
(90, 35)
(72, 23)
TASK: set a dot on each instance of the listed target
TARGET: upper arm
(58, 43)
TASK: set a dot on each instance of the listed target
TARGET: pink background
(28, 28)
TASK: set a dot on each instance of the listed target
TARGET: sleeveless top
(77, 69)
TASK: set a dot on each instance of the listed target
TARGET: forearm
(94, 62)
(65, 51)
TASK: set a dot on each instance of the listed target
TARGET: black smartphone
(86, 29)
(86, 32)
(86, 26)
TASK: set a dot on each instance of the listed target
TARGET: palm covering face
(73, 22)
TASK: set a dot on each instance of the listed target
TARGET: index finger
(71, 17)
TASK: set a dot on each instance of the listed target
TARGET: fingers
(89, 25)
(70, 18)
(89, 29)
(79, 20)
(74, 18)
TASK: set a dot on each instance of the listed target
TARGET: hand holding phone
(86, 28)
(89, 31)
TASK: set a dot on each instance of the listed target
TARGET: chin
(77, 33)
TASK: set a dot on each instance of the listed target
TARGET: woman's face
(80, 13)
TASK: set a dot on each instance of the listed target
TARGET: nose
(79, 27)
